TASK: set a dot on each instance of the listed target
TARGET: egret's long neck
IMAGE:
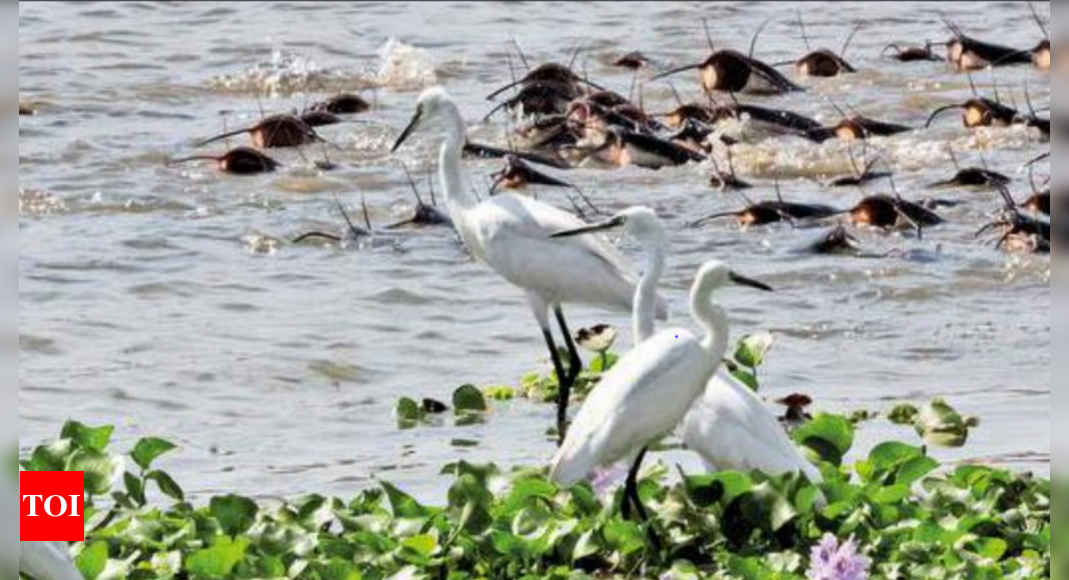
(457, 197)
(713, 319)
(644, 315)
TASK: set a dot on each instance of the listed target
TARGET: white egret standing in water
(649, 391)
(510, 234)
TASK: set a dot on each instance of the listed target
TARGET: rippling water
(164, 299)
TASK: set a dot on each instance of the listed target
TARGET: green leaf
(92, 438)
(723, 487)
(135, 489)
(338, 570)
(100, 470)
(940, 425)
(753, 350)
(888, 456)
(747, 379)
(218, 561)
(166, 485)
(587, 546)
(93, 560)
(235, 514)
(500, 393)
(890, 495)
(408, 411)
(625, 537)
(51, 457)
(992, 548)
(469, 399)
(148, 450)
(425, 545)
(904, 415)
(916, 469)
(829, 436)
(402, 504)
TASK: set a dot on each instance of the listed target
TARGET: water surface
(165, 301)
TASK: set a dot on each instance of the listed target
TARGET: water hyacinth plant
(915, 519)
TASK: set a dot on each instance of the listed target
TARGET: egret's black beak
(411, 128)
(743, 281)
(591, 229)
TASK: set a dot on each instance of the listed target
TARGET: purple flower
(607, 479)
(832, 561)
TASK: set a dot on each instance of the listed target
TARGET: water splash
(285, 74)
(406, 67)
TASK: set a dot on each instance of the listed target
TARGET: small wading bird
(238, 161)
(649, 391)
(730, 71)
(319, 118)
(823, 62)
(1019, 233)
(510, 234)
(854, 127)
(771, 212)
(343, 104)
(980, 112)
(1041, 53)
(972, 177)
(423, 215)
(968, 54)
(862, 174)
(274, 132)
(911, 53)
(517, 174)
(892, 212)
(353, 234)
(762, 120)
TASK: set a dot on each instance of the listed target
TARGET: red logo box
(52, 506)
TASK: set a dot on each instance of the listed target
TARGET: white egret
(730, 428)
(510, 234)
(649, 391)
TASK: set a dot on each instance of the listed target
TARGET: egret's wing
(47, 561)
(638, 402)
(730, 428)
(514, 234)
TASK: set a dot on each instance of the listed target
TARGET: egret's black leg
(631, 496)
(631, 490)
(562, 403)
(575, 363)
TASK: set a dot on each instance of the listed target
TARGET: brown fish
(277, 131)
(239, 161)
(343, 104)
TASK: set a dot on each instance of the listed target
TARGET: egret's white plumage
(732, 429)
(648, 393)
(510, 234)
(47, 561)
(640, 401)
